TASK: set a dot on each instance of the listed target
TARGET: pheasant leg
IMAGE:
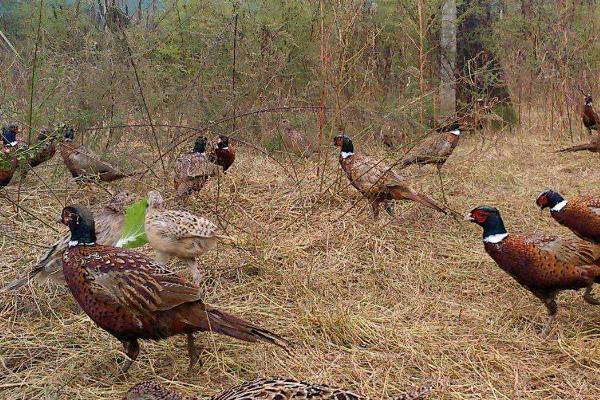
(550, 303)
(132, 349)
(162, 258)
(375, 207)
(589, 298)
(193, 351)
(195, 270)
(439, 172)
(388, 207)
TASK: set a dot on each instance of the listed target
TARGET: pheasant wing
(136, 281)
(568, 250)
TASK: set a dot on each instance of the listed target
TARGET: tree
(448, 62)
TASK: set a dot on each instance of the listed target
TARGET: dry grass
(372, 306)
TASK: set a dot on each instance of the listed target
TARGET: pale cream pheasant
(178, 234)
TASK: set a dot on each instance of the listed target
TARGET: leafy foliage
(133, 234)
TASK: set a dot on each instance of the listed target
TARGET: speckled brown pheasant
(544, 265)
(43, 151)
(192, 170)
(296, 141)
(264, 389)
(83, 163)
(222, 152)
(581, 214)
(435, 149)
(376, 180)
(109, 225)
(132, 297)
(180, 234)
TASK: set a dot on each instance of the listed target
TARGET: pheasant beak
(469, 218)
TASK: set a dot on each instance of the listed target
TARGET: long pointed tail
(425, 200)
(48, 267)
(20, 282)
(215, 320)
(581, 147)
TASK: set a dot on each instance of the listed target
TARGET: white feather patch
(346, 154)
(497, 238)
(455, 132)
(559, 206)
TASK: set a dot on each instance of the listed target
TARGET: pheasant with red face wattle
(589, 116)
(544, 265)
(132, 297)
(223, 153)
(591, 121)
(376, 180)
(581, 214)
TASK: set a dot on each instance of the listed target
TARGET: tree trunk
(448, 62)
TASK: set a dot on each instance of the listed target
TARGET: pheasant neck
(494, 230)
(347, 149)
(559, 206)
(199, 147)
(82, 234)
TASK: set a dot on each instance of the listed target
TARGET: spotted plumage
(296, 141)
(222, 152)
(377, 181)
(193, 170)
(264, 389)
(43, 151)
(83, 163)
(178, 234)
(581, 214)
(544, 265)
(109, 225)
(132, 297)
(436, 149)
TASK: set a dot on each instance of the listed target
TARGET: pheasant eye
(480, 216)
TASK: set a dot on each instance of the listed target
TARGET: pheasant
(132, 297)
(589, 116)
(581, 214)
(544, 265)
(377, 181)
(296, 141)
(9, 136)
(109, 225)
(43, 151)
(435, 149)
(178, 234)
(264, 389)
(192, 170)
(223, 153)
(83, 163)
(593, 146)
(8, 164)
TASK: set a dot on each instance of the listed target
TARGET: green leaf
(133, 234)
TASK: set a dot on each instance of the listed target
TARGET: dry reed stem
(377, 307)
